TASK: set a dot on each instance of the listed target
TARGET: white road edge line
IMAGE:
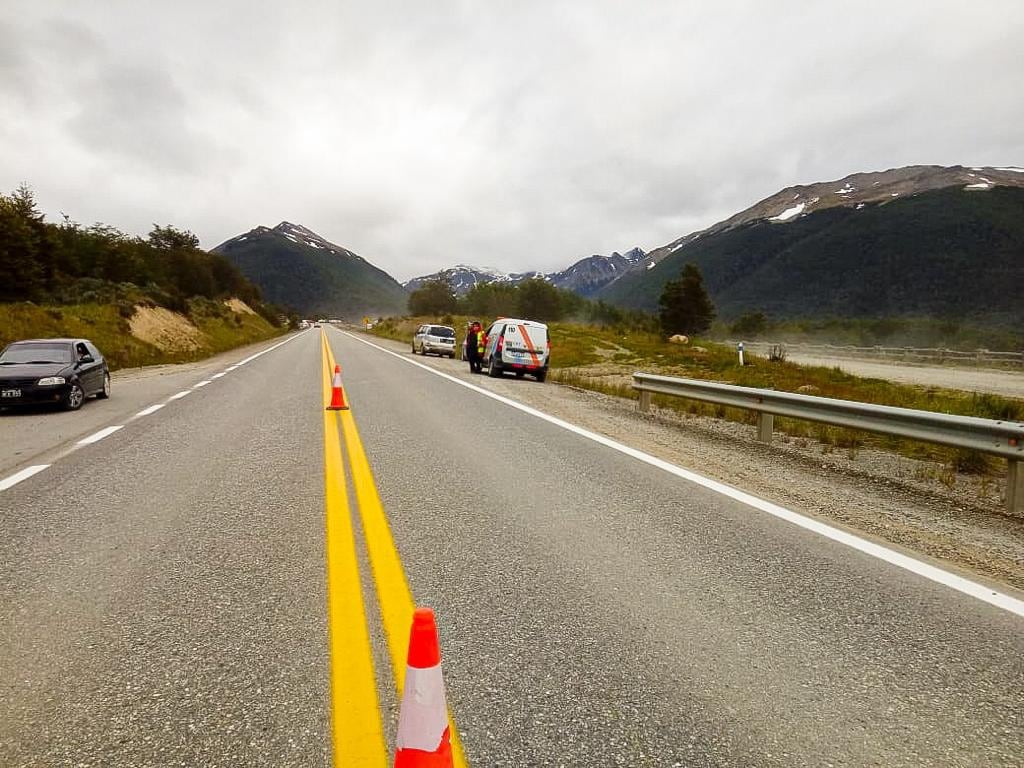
(24, 474)
(183, 393)
(97, 436)
(201, 384)
(218, 375)
(928, 571)
(151, 409)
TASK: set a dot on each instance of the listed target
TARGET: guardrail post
(765, 425)
(1015, 487)
(644, 403)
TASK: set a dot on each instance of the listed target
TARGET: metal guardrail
(997, 438)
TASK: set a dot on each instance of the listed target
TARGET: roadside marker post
(739, 348)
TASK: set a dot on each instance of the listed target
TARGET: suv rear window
(438, 330)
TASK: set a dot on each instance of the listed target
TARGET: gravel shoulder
(1009, 383)
(913, 505)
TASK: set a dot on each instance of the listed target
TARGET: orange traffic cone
(423, 739)
(337, 393)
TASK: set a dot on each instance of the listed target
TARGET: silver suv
(434, 339)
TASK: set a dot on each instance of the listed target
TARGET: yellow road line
(357, 733)
(393, 593)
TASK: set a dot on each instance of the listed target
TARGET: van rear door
(526, 344)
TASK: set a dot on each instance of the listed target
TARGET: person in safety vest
(475, 340)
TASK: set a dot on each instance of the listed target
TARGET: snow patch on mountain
(789, 213)
(585, 277)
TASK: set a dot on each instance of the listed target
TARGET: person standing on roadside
(475, 346)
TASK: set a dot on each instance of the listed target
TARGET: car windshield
(445, 333)
(22, 354)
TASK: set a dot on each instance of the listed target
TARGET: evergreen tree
(23, 266)
(685, 306)
(491, 300)
(539, 300)
(434, 297)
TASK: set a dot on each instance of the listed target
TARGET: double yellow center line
(357, 732)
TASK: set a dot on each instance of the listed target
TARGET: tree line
(535, 299)
(60, 263)
(685, 306)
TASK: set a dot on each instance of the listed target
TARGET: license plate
(10, 393)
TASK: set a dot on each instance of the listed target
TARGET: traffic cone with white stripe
(337, 393)
(423, 738)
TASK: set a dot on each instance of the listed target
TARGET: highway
(227, 579)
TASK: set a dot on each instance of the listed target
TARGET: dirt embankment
(166, 330)
(174, 333)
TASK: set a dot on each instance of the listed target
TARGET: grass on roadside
(104, 324)
(604, 359)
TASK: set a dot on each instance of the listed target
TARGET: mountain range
(916, 241)
(921, 240)
(586, 277)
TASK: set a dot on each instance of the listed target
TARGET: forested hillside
(949, 254)
(295, 266)
(66, 263)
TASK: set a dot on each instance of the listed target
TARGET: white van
(519, 346)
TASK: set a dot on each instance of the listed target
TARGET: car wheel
(414, 349)
(494, 370)
(541, 375)
(75, 397)
(451, 356)
(104, 393)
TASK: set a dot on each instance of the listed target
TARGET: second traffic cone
(423, 738)
(337, 393)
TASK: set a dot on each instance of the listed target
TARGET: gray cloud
(424, 134)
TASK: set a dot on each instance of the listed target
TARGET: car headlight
(51, 381)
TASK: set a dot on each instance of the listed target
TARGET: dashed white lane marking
(24, 474)
(200, 384)
(928, 571)
(97, 436)
(28, 472)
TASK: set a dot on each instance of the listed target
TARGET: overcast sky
(517, 135)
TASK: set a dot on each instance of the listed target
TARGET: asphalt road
(163, 597)
(29, 436)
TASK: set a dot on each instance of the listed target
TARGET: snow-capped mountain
(919, 241)
(462, 278)
(297, 268)
(856, 191)
(588, 276)
(584, 277)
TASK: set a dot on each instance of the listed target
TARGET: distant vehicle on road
(55, 371)
(434, 339)
(519, 346)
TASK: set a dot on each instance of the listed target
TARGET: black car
(62, 371)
